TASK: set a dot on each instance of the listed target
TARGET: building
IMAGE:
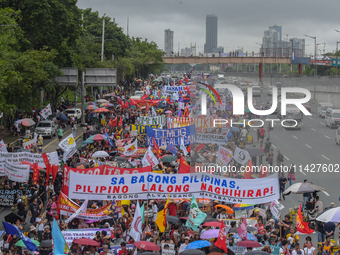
(218, 49)
(278, 30)
(168, 41)
(186, 52)
(210, 33)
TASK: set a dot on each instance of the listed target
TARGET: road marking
(325, 193)
(322, 123)
(313, 129)
(310, 118)
(302, 172)
(308, 146)
(286, 158)
(295, 137)
(273, 146)
(327, 136)
(325, 157)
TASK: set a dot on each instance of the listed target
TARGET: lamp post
(336, 53)
(315, 66)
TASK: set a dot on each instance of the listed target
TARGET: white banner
(224, 154)
(130, 149)
(17, 157)
(3, 146)
(158, 120)
(81, 209)
(53, 158)
(149, 158)
(71, 235)
(68, 143)
(241, 156)
(28, 145)
(69, 153)
(16, 173)
(180, 105)
(210, 138)
(46, 112)
(158, 186)
(276, 208)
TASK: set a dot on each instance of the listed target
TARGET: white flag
(241, 156)
(136, 226)
(183, 148)
(153, 112)
(46, 112)
(130, 149)
(79, 211)
(149, 158)
(276, 208)
(3, 146)
(68, 143)
(28, 145)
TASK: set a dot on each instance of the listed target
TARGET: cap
(187, 238)
(32, 228)
(47, 226)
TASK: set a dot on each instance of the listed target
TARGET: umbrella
(30, 164)
(262, 212)
(106, 105)
(87, 141)
(120, 159)
(97, 138)
(146, 253)
(91, 107)
(228, 209)
(148, 246)
(234, 230)
(212, 233)
(249, 237)
(332, 215)
(100, 154)
(197, 245)
(216, 253)
(257, 252)
(168, 112)
(253, 151)
(89, 103)
(27, 122)
(248, 243)
(21, 243)
(86, 241)
(212, 224)
(243, 207)
(192, 252)
(235, 129)
(126, 164)
(62, 117)
(12, 218)
(173, 219)
(168, 158)
(46, 243)
(301, 188)
(211, 220)
(101, 101)
(101, 110)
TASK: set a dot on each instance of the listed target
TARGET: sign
(276, 208)
(28, 145)
(321, 62)
(130, 149)
(46, 112)
(224, 155)
(211, 138)
(201, 122)
(17, 157)
(240, 214)
(334, 62)
(241, 156)
(16, 173)
(171, 250)
(7, 196)
(157, 120)
(101, 170)
(169, 90)
(140, 152)
(73, 234)
(68, 143)
(149, 159)
(157, 186)
(141, 129)
(172, 136)
(3, 146)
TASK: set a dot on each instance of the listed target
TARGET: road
(313, 144)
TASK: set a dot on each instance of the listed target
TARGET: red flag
(126, 105)
(120, 122)
(145, 96)
(147, 107)
(114, 122)
(249, 170)
(186, 79)
(45, 158)
(120, 101)
(221, 239)
(264, 171)
(168, 100)
(133, 102)
(201, 146)
(302, 226)
(48, 171)
(184, 167)
(242, 229)
(159, 94)
(54, 171)
(155, 147)
(35, 173)
(188, 149)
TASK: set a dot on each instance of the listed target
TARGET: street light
(275, 54)
(336, 53)
(315, 66)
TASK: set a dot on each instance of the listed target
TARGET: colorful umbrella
(100, 101)
(106, 105)
(90, 103)
(21, 243)
(247, 243)
(86, 241)
(148, 246)
(243, 207)
(212, 233)
(212, 224)
(168, 158)
(332, 215)
(249, 237)
(100, 154)
(91, 107)
(197, 244)
(97, 138)
(101, 110)
(228, 209)
(27, 122)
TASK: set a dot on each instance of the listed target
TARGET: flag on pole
(172, 149)
(46, 112)
(196, 216)
(183, 148)
(58, 239)
(81, 209)
(302, 226)
(242, 229)
(155, 147)
(136, 226)
(161, 217)
(221, 239)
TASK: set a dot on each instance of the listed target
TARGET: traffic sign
(334, 62)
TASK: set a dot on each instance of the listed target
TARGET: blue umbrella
(198, 244)
(249, 237)
(87, 141)
(63, 118)
(235, 129)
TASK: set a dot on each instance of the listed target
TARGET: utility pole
(127, 27)
(315, 66)
(102, 59)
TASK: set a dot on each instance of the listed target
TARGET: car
(46, 128)
(307, 106)
(75, 113)
(256, 91)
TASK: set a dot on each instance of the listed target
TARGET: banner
(210, 138)
(149, 159)
(158, 186)
(169, 90)
(241, 156)
(201, 122)
(73, 234)
(67, 143)
(3, 146)
(77, 213)
(28, 145)
(69, 153)
(17, 157)
(16, 173)
(158, 120)
(140, 152)
(121, 143)
(115, 249)
(101, 170)
(224, 155)
(7, 196)
(130, 149)
(141, 129)
(276, 208)
(172, 136)
(46, 112)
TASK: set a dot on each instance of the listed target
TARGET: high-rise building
(210, 33)
(168, 41)
(278, 30)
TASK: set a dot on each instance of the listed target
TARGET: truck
(74, 112)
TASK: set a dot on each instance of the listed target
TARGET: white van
(332, 118)
(243, 86)
(322, 107)
(257, 91)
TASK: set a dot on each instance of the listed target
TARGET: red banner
(45, 158)
(101, 170)
(184, 167)
(35, 173)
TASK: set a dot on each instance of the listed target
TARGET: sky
(241, 23)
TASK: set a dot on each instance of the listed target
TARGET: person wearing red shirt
(262, 133)
(123, 251)
(261, 231)
(172, 208)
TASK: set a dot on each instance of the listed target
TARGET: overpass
(229, 60)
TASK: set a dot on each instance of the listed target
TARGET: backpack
(268, 144)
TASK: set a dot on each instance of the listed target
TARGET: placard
(71, 235)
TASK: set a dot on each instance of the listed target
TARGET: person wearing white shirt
(40, 224)
(318, 205)
(309, 250)
(184, 245)
(222, 215)
(297, 250)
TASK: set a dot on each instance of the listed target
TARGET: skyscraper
(168, 41)
(210, 33)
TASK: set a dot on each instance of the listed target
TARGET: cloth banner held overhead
(224, 154)
(141, 129)
(173, 136)
(241, 156)
(46, 112)
(28, 145)
(16, 173)
(158, 120)
(149, 159)
(71, 234)
(130, 149)
(201, 122)
(153, 186)
(210, 138)
(17, 157)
